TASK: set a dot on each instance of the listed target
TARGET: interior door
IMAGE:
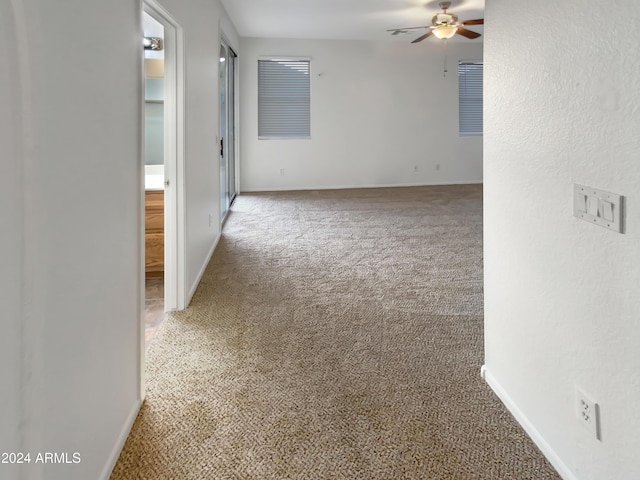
(227, 129)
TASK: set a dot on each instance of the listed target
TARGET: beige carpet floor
(334, 335)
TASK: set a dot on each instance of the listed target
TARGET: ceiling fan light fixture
(445, 31)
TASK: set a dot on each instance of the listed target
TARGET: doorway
(163, 193)
(154, 165)
(227, 128)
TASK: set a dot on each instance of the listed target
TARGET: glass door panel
(227, 128)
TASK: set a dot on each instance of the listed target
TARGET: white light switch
(592, 206)
(581, 202)
(598, 207)
(607, 211)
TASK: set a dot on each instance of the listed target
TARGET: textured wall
(377, 111)
(562, 105)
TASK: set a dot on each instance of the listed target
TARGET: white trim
(193, 288)
(344, 187)
(141, 222)
(181, 217)
(236, 119)
(527, 425)
(273, 137)
(122, 438)
(283, 58)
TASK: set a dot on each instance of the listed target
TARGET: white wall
(74, 237)
(561, 295)
(11, 239)
(71, 245)
(228, 30)
(377, 110)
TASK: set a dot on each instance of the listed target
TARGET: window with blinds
(284, 98)
(470, 97)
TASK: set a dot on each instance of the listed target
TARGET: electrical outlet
(282, 171)
(588, 412)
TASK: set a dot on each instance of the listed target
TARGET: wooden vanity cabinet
(154, 233)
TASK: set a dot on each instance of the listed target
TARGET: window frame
(292, 134)
(468, 101)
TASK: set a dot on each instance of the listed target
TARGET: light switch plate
(598, 207)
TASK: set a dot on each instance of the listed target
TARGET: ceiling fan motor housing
(444, 19)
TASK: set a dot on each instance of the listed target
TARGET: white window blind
(284, 98)
(470, 97)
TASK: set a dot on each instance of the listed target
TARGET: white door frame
(174, 193)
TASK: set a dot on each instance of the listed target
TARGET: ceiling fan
(444, 25)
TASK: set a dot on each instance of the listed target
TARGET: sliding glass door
(227, 129)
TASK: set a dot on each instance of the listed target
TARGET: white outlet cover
(588, 413)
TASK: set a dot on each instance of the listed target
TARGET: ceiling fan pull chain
(444, 48)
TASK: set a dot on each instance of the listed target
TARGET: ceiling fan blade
(479, 21)
(422, 37)
(405, 28)
(467, 33)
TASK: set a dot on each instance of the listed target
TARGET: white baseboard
(528, 427)
(122, 438)
(345, 187)
(195, 284)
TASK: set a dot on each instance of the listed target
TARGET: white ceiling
(343, 19)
